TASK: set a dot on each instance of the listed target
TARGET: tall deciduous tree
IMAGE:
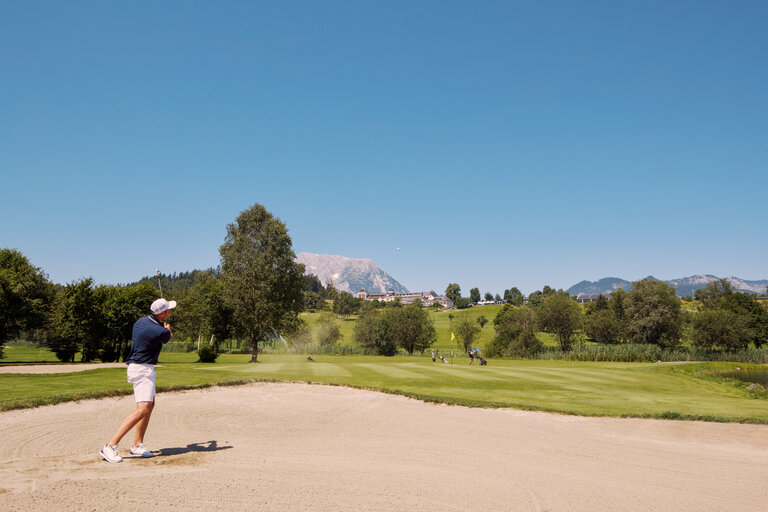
(118, 308)
(515, 333)
(466, 331)
(618, 304)
(343, 304)
(560, 315)
(714, 293)
(513, 296)
(25, 295)
(654, 313)
(453, 291)
(75, 327)
(603, 326)
(412, 327)
(720, 328)
(262, 281)
(474, 295)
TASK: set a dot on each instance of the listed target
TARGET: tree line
(649, 314)
(259, 290)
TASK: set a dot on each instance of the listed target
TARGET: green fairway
(593, 389)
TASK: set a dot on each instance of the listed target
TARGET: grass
(584, 388)
(443, 326)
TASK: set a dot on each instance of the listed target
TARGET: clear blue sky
(498, 144)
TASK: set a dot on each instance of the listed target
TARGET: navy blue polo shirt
(148, 338)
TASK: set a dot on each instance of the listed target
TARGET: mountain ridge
(684, 286)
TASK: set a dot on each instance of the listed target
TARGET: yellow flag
(453, 338)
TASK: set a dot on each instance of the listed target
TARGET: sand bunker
(58, 368)
(281, 447)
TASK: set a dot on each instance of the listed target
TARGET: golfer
(149, 335)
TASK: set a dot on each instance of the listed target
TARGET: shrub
(207, 354)
(328, 334)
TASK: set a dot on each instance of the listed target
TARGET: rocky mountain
(684, 286)
(349, 274)
(688, 285)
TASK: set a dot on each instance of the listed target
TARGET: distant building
(427, 298)
(584, 297)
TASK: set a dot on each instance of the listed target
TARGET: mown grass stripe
(328, 370)
(564, 375)
(392, 370)
(461, 372)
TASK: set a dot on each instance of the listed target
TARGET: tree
(311, 283)
(654, 313)
(714, 293)
(409, 327)
(313, 301)
(462, 303)
(482, 321)
(412, 328)
(603, 326)
(618, 304)
(513, 296)
(75, 323)
(474, 295)
(720, 328)
(343, 304)
(205, 314)
(118, 308)
(25, 296)
(497, 298)
(560, 315)
(515, 334)
(453, 292)
(327, 331)
(488, 296)
(466, 332)
(262, 281)
(601, 303)
(749, 312)
(384, 338)
(330, 290)
(366, 324)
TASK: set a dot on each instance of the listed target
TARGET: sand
(300, 447)
(58, 368)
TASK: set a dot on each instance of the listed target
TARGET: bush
(207, 354)
(328, 334)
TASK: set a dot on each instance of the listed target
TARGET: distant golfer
(471, 356)
(149, 335)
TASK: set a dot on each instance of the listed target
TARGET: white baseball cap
(161, 305)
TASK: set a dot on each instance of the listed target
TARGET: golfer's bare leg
(142, 409)
(141, 426)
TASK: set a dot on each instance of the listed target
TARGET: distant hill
(684, 286)
(349, 274)
(604, 285)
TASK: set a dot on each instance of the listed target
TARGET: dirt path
(281, 447)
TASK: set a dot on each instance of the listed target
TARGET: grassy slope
(442, 323)
(614, 389)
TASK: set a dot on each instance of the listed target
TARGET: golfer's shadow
(208, 446)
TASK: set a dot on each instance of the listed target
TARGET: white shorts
(142, 376)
